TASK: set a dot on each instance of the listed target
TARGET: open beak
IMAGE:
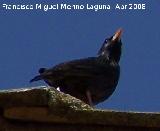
(117, 35)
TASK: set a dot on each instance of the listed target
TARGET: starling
(91, 79)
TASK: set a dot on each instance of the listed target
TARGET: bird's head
(111, 48)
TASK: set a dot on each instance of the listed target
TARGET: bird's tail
(36, 78)
(42, 70)
(39, 77)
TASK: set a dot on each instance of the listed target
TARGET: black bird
(91, 79)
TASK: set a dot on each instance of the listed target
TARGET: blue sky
(34, 38)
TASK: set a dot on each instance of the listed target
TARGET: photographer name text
(64, 6)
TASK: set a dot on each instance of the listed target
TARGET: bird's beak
(117, 35)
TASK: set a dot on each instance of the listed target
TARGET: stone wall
(45, 108)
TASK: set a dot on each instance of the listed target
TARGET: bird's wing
(75, 64)
(81, 67)
(70, 68)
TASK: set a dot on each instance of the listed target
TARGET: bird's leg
(88, 94)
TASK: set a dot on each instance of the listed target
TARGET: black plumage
(91, 79)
